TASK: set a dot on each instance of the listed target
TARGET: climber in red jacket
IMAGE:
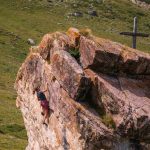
(44, 104)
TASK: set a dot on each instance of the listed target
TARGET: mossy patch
(108, 121)
(14, 130)
(104, 116)
(74, 52)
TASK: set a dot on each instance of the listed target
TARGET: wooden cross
(134, 34)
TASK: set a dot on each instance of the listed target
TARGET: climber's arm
(45, 90)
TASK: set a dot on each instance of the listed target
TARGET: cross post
(134, 34)
(134, 31)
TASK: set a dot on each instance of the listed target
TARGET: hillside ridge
(22, 20)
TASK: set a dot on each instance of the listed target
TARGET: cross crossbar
(134, 34)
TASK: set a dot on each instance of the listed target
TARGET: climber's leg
(46, 111)
(47, 115)
(45, 108)
(44, 116)
(50, 111)
(44, 105)
(42, 113)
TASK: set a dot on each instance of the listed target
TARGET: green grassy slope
(21, 19)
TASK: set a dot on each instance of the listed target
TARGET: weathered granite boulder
(112, 81)
(49, 41)
(71, 126)
(70, 75)
(128, 102)
(59, 41)
(113, 58)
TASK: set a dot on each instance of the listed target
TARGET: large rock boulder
(101, 102)
(70, 75)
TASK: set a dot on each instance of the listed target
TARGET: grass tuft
(74, 52)
(108, 121)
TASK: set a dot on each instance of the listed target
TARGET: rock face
(101, 102)
(127, 100)
(70, 75)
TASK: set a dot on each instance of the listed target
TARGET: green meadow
(23, 19)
